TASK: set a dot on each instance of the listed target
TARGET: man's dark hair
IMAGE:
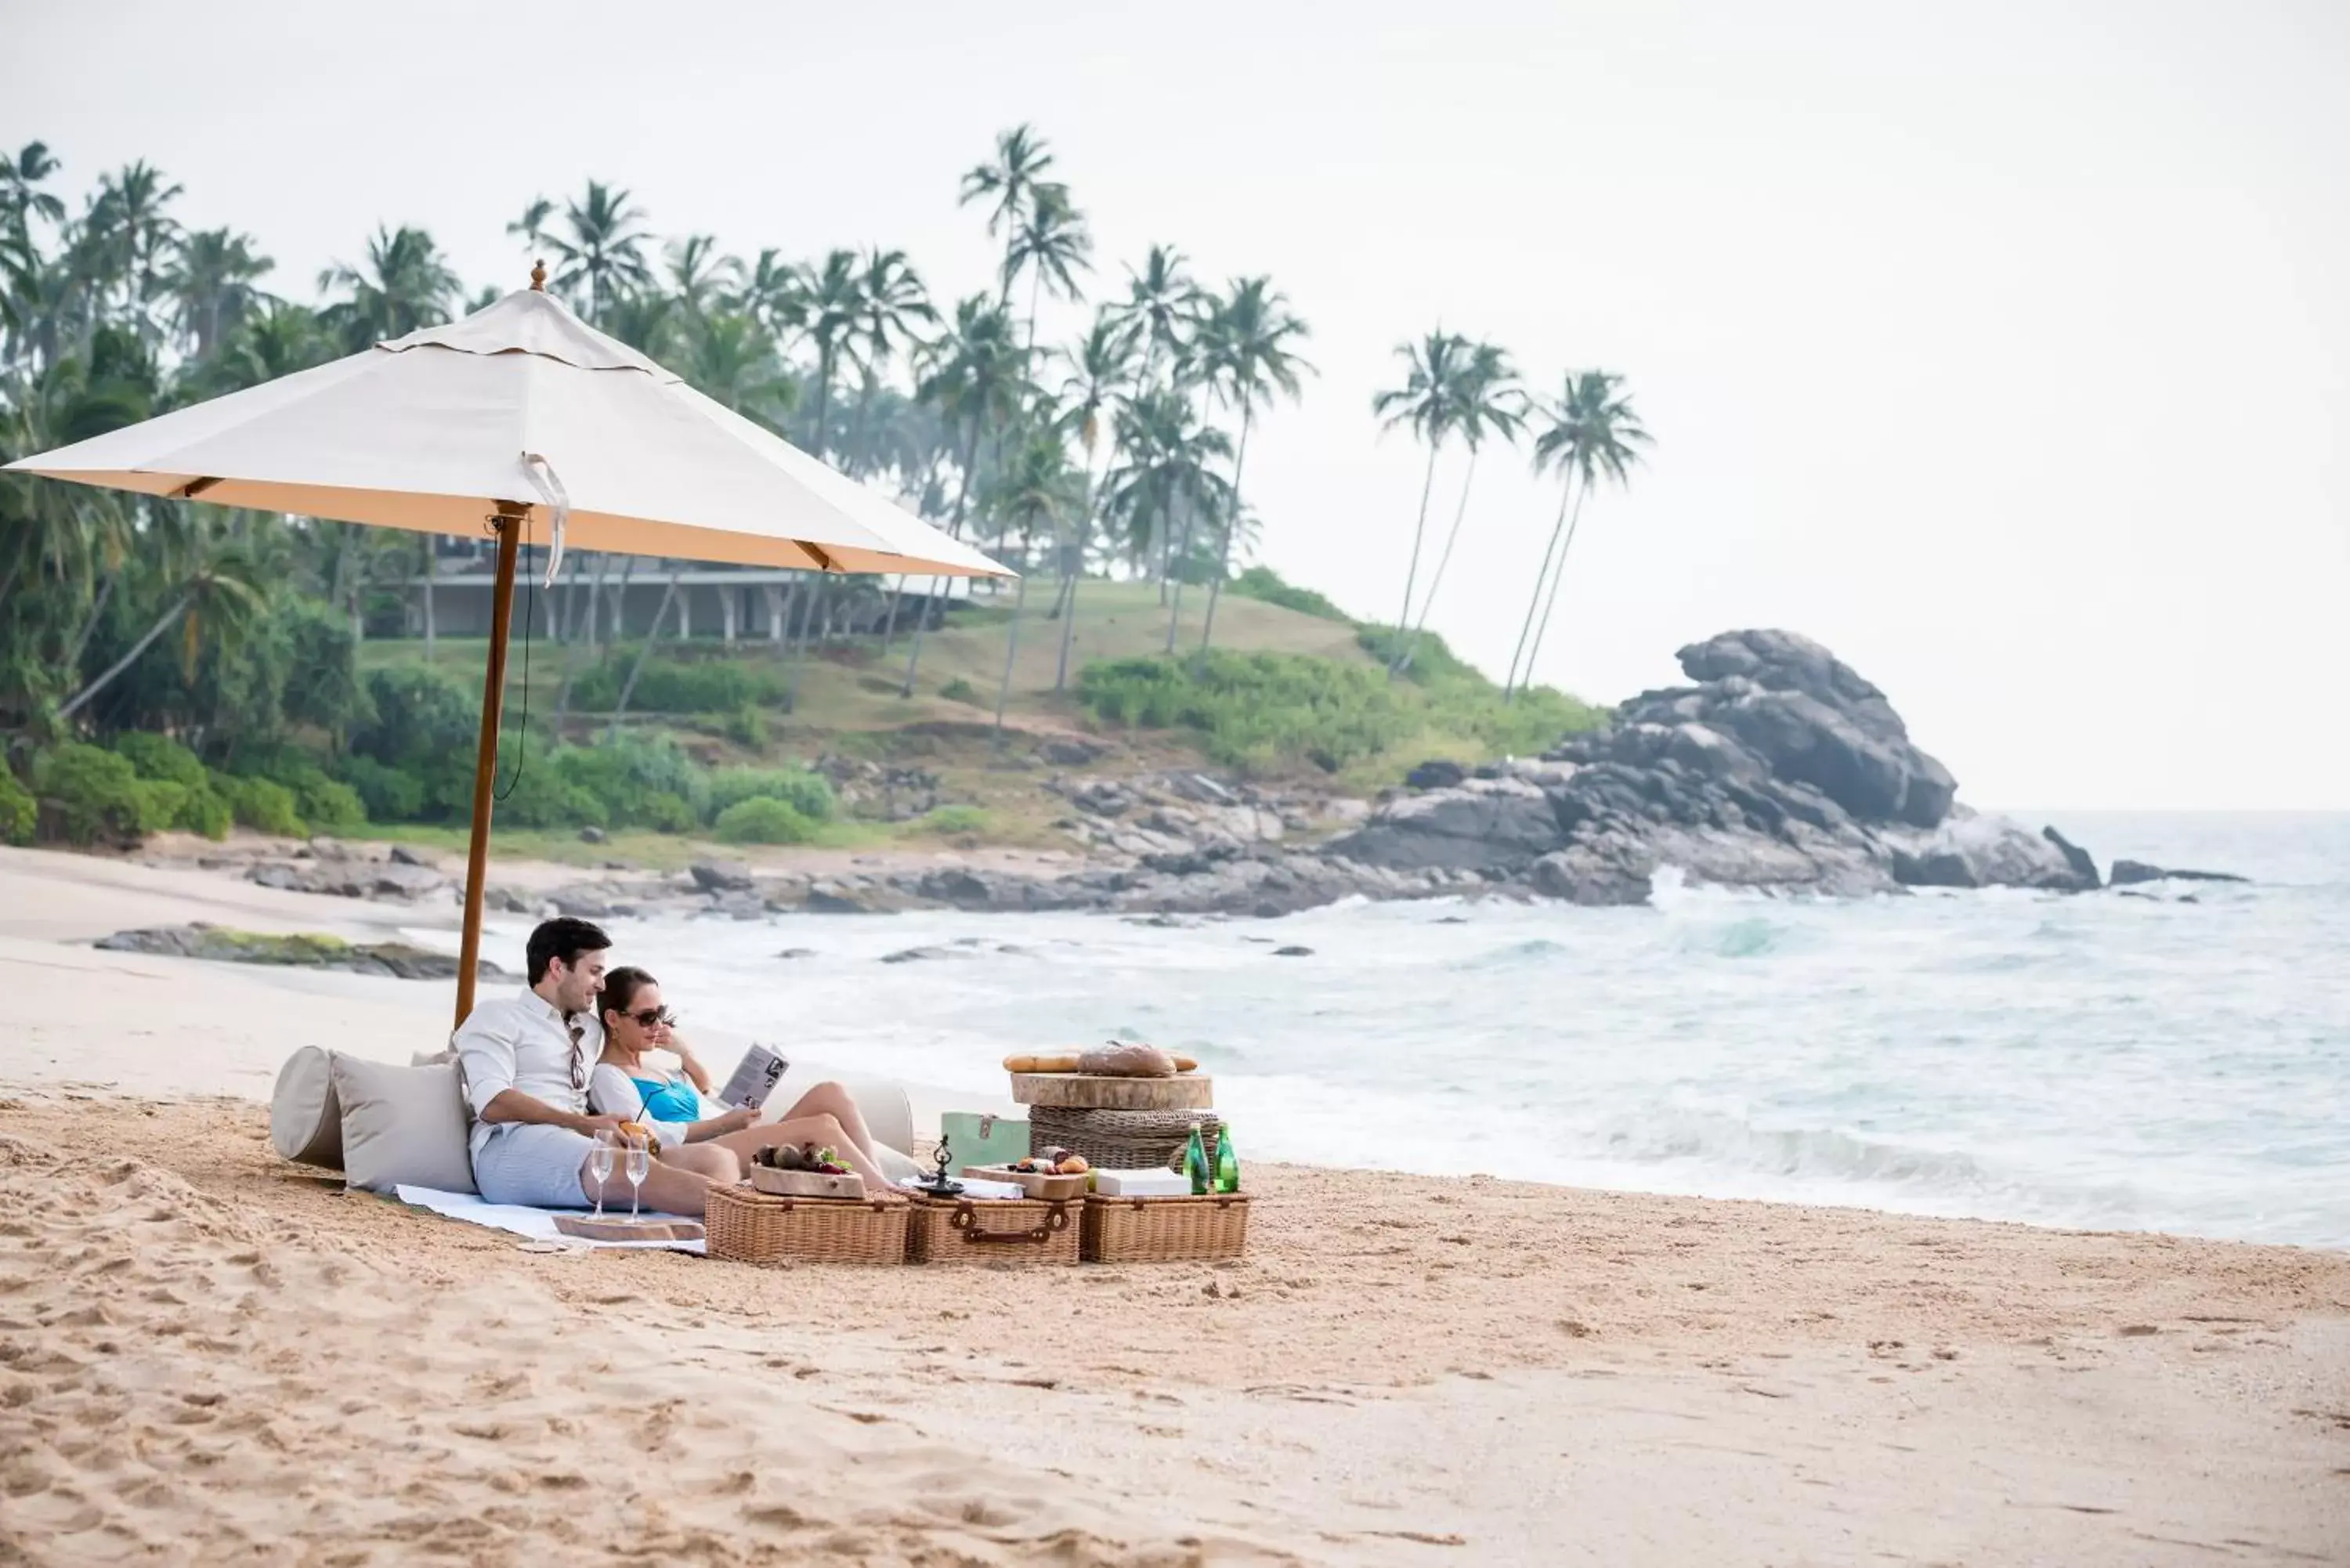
(566, 938)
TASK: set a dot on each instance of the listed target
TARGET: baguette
(1070, 1063)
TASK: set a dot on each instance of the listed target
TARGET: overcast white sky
(2005, 348)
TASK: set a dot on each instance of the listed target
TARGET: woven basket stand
(1123, 1140)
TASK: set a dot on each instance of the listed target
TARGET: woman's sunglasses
(652, 1016)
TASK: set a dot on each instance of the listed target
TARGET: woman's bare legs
(819, 1129)
(831, 1099)
(705, 1158)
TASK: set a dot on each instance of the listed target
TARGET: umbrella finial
(538, 275)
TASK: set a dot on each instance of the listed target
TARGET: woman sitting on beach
(675, 1105)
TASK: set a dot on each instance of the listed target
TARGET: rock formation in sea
(1778, 767)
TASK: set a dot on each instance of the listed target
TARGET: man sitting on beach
(525, 1062)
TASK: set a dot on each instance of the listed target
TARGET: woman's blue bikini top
(674, 1102)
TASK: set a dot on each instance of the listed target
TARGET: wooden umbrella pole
(508, 525)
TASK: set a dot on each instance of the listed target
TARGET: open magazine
(755, 1077)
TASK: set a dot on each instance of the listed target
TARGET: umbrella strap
(549, 486)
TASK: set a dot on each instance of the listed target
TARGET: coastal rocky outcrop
(1778, 767)
(300, 950)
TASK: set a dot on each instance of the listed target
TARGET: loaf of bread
(1128, 1059)
(1084, 1063)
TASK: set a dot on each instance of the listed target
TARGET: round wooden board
(1092, 1092)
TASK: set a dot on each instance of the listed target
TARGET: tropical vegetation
(171, 664)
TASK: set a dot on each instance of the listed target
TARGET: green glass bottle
(1228, 1164)
(1195, 1161)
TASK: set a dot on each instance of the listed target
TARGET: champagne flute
(599, 1165)
(640, 1165)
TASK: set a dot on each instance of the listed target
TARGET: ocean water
(2177, 1062)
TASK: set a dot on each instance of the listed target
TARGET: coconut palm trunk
(1011, 653)
(432, 631)
(1418, 532)
(163, 624)
(1542, 574)
(962, 498)
(644, 654)
(1405, 649)
(1232, 526)
(814, 608)
(1558, 578)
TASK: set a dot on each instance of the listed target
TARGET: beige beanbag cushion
(402, 1126)
(305, 1122)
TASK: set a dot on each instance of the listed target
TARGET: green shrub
(954, 819)
(160, 757)
(421, 720)
(325, 804)
(20, 815)
(675, 686)
(1265, 583)
(764, 819)
(629, 773)
(99, 794)
(747, 726)
(809, 794)
(961, 691)
(1256, 709)
(539, 797)
(263, 805)
(206, 811)
(666, 813)
(160, 760)
(387, 793)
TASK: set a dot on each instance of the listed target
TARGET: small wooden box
(1035, 1183)
(1164, 1230)
(1014, 1230)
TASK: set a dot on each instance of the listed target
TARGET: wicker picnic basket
(992, 1230)
(1123, 1140)
(753, 1227)
(1119, 1229)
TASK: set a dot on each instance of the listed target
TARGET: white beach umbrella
(524, 422)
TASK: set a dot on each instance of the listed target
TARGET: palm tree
(649, 321)
(1590, 432)
(975, 381)
(603, 249)
(128, 222)
(775, 291)
(532, 227)
(1037, 491)
(1428, 402)
(835, 305)
(1010, 183)
(211, 284)
(1161, 302)
(891, 305)
(1247, 357)
(1489, 400)
(404, 284)
(698, 273)
(1170, 471)
(20, 200)
(1099, 368)
(731, 359)
(220, 592)
(1052, 245)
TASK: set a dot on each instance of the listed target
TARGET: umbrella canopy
(427, 431)
(524, 418)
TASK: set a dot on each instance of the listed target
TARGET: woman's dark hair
(564, 939)
(621, 988)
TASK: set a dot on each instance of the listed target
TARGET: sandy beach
(207, 1355)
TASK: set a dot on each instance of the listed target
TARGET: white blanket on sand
(538, 1224)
